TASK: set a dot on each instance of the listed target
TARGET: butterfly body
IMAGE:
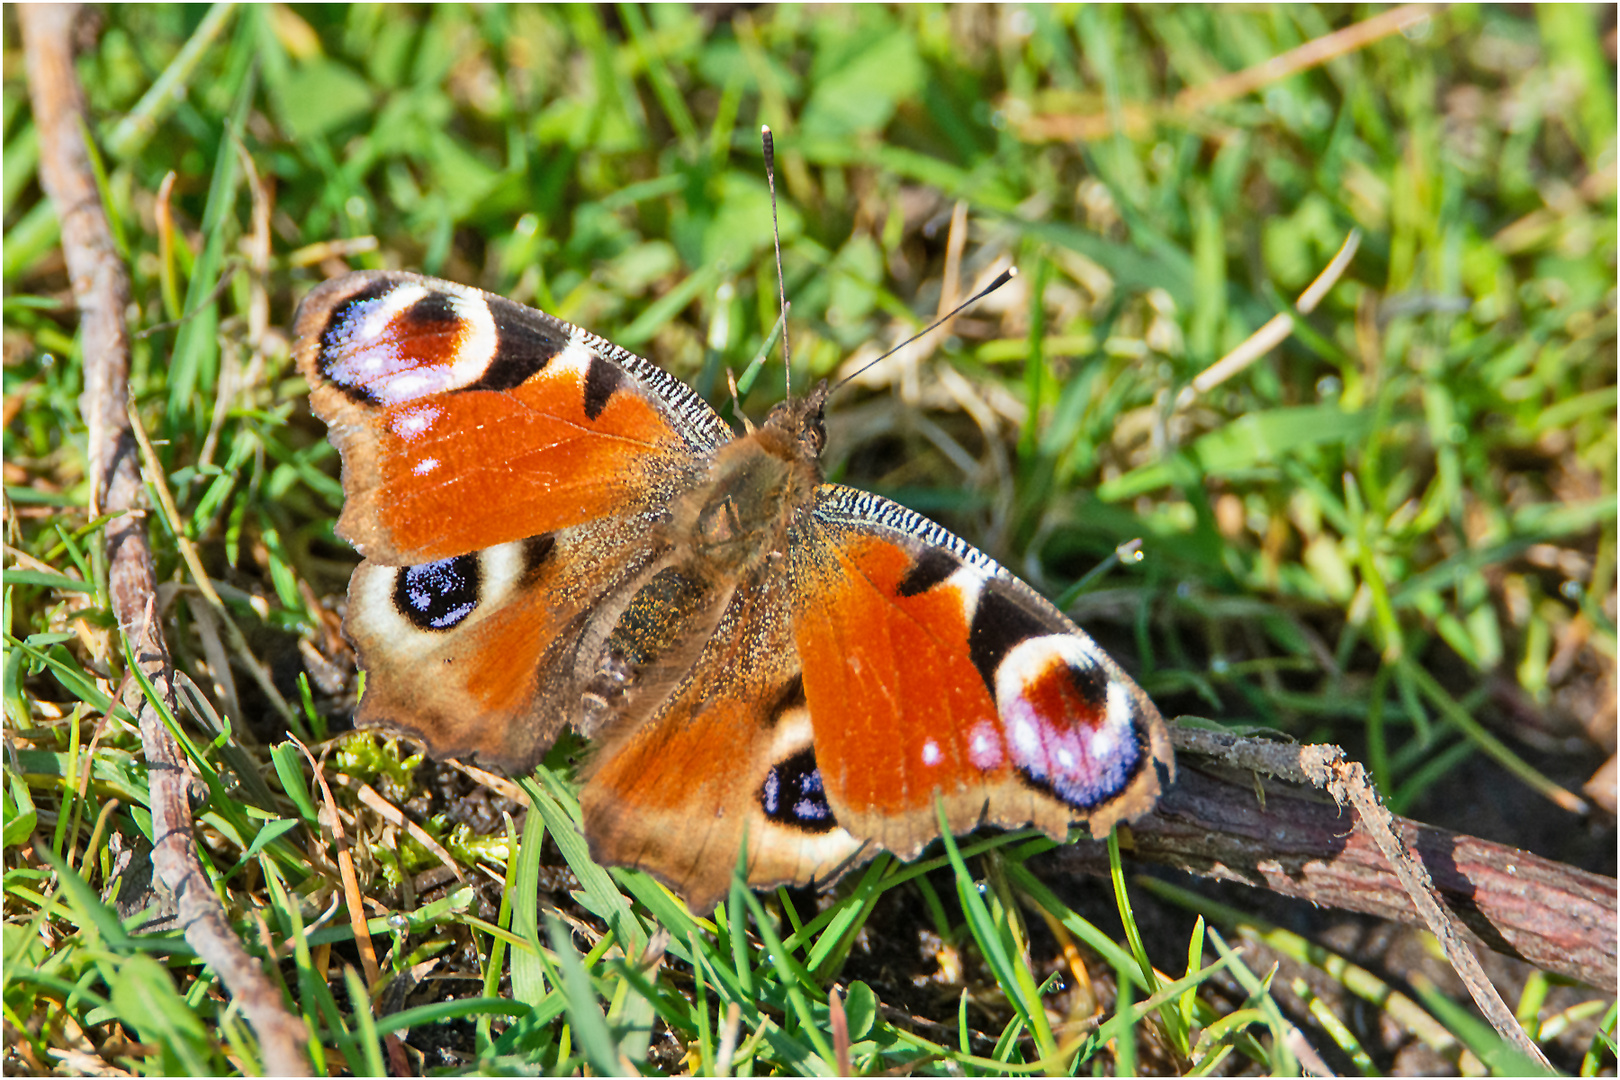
(558, 534)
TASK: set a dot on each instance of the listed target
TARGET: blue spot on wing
(792, 794)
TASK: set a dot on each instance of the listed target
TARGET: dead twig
(1328, 768)
(1555, 917)
(101, 292)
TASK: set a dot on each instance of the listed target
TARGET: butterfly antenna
(776, 237)
(1001, 279)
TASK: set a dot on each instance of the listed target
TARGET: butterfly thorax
(724, 543)
(739, 517)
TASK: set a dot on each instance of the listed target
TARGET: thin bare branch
(101, 292)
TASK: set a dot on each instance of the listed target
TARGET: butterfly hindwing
(893, 663)
(480, 654)
(729, 755)
(466, 420)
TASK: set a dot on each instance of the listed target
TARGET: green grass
(1395, 532)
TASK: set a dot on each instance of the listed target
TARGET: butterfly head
(795, 428)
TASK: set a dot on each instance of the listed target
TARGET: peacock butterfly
(557, 533)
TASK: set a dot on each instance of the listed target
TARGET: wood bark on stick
(1238, 812)
(101, 293)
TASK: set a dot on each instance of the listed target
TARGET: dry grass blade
(355, 900)
(840, 1033)
(394, 816)
(1309, 55)
(501, 784)
(1197, 98)
(1275, 330)
(188, 552)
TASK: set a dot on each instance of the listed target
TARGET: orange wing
(928, 669)
(466, 420)
(728, 756)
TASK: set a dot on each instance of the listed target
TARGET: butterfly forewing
(465, 420)
(929, 669)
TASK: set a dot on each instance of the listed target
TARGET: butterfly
(559, 534)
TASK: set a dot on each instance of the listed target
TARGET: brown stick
(1213, 823)
(101, 291)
